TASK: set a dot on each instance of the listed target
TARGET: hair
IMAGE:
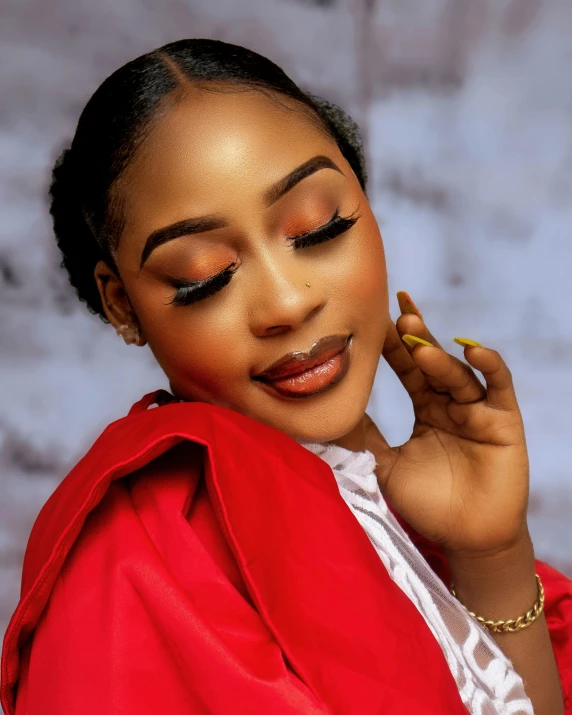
(85, 203)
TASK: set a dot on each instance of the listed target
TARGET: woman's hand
(462, 478)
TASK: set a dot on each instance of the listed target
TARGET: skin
(214, 155)
(462, 477)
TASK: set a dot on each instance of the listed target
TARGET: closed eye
(335, 227)
(189, 293)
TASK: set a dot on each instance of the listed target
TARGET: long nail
(467, 341)
(413, 340)
(406, 305)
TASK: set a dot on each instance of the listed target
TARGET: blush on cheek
(366, 269)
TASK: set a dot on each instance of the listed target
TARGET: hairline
(115, 219)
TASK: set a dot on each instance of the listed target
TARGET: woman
(226, 548)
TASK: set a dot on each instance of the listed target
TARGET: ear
(115, 301)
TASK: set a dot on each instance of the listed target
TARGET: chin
(334, 433)
(328, 416)
(321, 418)
(332, 421)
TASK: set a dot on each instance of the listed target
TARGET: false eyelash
(188, 293)
(335, 226)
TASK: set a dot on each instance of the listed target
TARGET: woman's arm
(501, 587)
(462, 480)
(504, 587)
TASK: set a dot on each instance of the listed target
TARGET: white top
(486, 679)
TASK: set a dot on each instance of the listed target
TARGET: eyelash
(335, 227)
(188, 293)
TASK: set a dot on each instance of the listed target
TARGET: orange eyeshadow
(201, 265)
(301, 221)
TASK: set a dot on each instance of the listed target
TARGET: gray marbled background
(468, 111)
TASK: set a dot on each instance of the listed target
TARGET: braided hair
(85, 203)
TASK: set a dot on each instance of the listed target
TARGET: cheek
(207, 353)
(192, 344)
(370, 295)
(363, 274)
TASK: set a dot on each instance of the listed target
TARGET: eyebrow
(190, 226)
(309, 167)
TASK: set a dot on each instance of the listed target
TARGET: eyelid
(332, 218)
(207, 284)
(184, 283)
(349, 221)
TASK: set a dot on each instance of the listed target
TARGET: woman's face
(217, 161)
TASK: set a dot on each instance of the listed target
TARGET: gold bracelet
(513, 625)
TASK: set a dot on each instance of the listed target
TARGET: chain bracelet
(515, 624)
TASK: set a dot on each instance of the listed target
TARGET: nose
(284, 300)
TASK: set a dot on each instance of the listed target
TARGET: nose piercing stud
(308, 285)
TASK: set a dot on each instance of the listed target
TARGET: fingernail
(467, 341)
(412, 341)
(406, 305)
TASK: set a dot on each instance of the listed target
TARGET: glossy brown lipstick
(300, 374)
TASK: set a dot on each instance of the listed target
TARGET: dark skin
(462, 477)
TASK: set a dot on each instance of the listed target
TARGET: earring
(129, 333)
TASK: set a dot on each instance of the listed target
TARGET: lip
(313, 380)
(297, 361)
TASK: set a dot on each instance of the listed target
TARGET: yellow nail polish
(406, 305)
(413, 340)
(467, 341)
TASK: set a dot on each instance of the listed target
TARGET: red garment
(151, 586)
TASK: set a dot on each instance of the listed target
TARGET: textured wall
(470, 141)
(472, 147)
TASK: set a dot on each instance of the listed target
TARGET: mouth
(300, 374)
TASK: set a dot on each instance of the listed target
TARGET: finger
(501, 394)
(411, 322)
(400, 361)
(445, 373)
(459, 380)
(408, 308)
(408, 324)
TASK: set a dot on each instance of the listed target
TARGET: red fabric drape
(198, 561)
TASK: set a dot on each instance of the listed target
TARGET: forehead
(214, 144)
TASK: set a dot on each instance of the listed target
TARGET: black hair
(85, 207)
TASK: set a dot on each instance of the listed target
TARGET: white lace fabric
(485, 677)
